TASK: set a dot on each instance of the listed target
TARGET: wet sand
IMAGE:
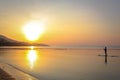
(8, 72)
(5, 76)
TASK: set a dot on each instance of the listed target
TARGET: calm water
(64, 64)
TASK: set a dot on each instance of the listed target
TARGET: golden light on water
(31, 47)
(33, 30)
(32, 57)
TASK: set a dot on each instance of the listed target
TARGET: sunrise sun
(33, 30)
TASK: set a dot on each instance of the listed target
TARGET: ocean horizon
(61, 47)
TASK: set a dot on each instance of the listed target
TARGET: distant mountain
(5, 41)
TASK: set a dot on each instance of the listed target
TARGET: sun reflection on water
(32, 57)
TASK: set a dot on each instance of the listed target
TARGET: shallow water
(64, 64)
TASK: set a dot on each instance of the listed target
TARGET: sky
(67, 22)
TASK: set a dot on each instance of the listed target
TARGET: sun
(33, 30)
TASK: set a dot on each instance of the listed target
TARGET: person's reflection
(32, 56)
(105, 59)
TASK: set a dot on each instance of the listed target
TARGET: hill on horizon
(5, 41)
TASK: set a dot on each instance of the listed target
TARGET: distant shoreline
(56, 48)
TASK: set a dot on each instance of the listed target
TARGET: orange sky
(66, 22)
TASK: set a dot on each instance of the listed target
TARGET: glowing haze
(66, 22)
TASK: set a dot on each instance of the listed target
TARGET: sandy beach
(5, 76)
(8, 72)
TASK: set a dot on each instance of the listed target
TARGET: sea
(64, 63)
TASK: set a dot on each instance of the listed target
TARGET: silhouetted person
(105, 49)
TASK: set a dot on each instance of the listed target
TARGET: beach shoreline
(5, 76)
(8, 72)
